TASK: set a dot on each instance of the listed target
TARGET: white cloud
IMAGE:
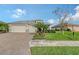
(77, 8)
(73, 17)
(50, 21)
(15, 16)
(68, 17)
(76, 15)
(18, 13)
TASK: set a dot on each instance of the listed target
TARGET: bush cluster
(50, 31)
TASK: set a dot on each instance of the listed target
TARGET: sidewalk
(52, 43)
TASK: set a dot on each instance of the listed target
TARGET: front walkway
(53, 43)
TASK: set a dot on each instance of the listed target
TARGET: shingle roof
(22, 23)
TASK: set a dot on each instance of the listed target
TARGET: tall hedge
(4, 27)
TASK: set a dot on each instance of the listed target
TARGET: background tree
(61, 15)
(73, 33)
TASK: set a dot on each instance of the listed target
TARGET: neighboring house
(22, 26)
(72, 27)
(54, 26)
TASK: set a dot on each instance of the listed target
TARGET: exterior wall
(17, 29)
(72, 27)
(75, 28)
(26, 28)
(32, 29)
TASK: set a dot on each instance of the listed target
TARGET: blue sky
(16, 12)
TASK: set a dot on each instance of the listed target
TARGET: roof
(58, 25)
(71, 25)
(19, 23)
(25, 22)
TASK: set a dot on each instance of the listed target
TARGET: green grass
(58, 36)
(63, 50)
(36, 36)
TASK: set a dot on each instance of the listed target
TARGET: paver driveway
(15, 43)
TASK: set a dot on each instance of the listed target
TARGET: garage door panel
(17, 29)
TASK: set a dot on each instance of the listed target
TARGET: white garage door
(17, 29)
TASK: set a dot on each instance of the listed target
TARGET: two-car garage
(17, 29)
(22, 28)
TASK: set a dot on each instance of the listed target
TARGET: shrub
(4, 27)
(37, 36)
(51, 31)
(57, 29)
(67, 29)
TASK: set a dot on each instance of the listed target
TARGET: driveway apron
(15, 43)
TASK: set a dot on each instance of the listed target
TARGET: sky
(19, 12)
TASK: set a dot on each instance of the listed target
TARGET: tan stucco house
(73, 27)
(22, 27)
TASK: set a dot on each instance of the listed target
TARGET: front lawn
(55, 50)
(59, 36)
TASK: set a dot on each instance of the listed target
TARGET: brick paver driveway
(14, 43)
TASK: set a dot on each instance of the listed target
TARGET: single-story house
(20, 26)
(72, 27)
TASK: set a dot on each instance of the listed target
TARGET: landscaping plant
(41, 27)
(4, 27)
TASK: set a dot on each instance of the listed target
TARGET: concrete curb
(33, 43)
